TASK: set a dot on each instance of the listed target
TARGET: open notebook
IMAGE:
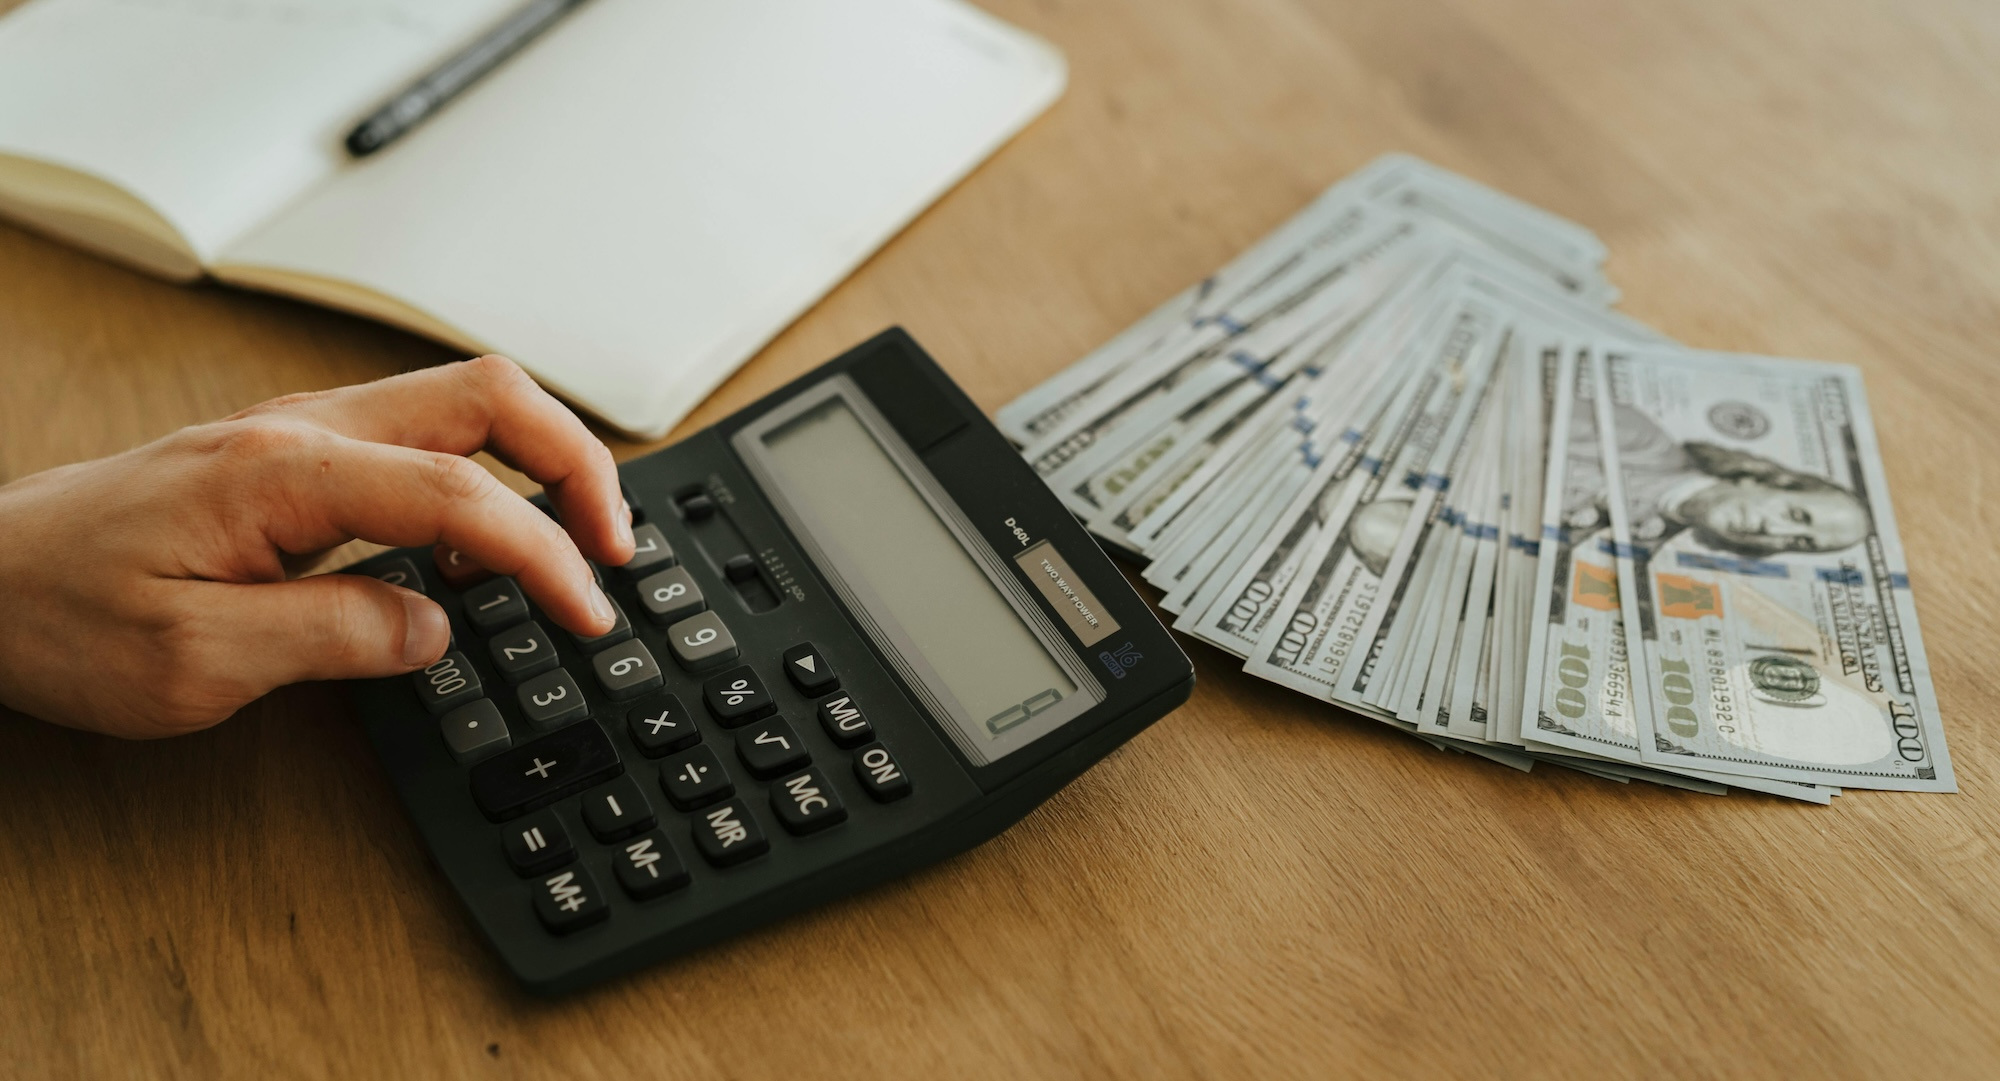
(630, 207)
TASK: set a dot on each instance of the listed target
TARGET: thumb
(327, 626)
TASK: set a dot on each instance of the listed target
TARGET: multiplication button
(660, 725)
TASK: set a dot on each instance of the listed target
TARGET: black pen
(430, 93)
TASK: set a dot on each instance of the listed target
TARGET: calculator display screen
(877, 527)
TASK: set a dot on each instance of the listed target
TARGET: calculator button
(569, 900)
(552, 700)
(737, 697)
(806, 803)
(539, 772)
(843, 721)
(660, 725)
(627, 670)
(701, 641)
(475, 731)
(809, 671)
(398, 572)
(650, 551)
(619, 632)
(770, 748)
(522, 652)
(447, 684)
(495, 605)
(880, 773)
(617, 809)
(670, 596)
(647, 866)
(459, 571)
(729, 834)
(537, 843)
(695, 778)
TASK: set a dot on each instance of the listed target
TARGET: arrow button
(809, 670)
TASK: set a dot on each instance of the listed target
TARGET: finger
(345, 488)
(490, 403)
(329, 626)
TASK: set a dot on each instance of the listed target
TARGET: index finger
(490, 403)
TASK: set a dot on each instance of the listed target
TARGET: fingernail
(621, 519)
(600, 605)
(426, 631)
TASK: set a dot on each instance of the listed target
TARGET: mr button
(728, 835)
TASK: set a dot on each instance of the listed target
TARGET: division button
(616, 809)
(447, 684)
(694, 779)
(537, 843)
(619, 632)
(770, 747)
(627, 670)
(650, 551)
(475, 730)
(552, 700)
(738, 697)
(808, 670)
(880, 773)
(542, 771)
(701, 641)
(495, 605)
(843, 720)
(648, 867)
(806, 803)
(522, 652)
(660, 725)
(670, 596)
(569, 900)
(728, 834)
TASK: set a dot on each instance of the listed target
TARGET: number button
(729, 834)
(650, 551)
(737, 697)
(695, 779)
(619, 632)
(880, 774)
(537, 843)
(627, 670)
(806, 803)
(616, 810)
(670, 595)
(448, 684)
(702, 641)
(808, 670)
(522, 652)
(474, 731)
(552, 700)
(771, 748)
(660, 725)
(648, 867)
(397, 572)
(459, 571)
(495, 605)
(569, 901)
(843, 721)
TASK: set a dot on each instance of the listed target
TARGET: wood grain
(1258, 886)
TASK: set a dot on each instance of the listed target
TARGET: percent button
(737, 697)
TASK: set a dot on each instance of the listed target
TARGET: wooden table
(1258, 886)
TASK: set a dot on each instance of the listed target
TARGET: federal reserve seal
(1738, 420)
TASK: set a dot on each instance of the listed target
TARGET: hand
(147, 593)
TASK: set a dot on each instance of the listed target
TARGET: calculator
(859, 635)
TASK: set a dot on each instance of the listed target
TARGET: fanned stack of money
(1402, 456)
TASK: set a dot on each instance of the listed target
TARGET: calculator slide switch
(569, 900)
(728, 834)
(537, 843)
(542, 771)
(475, 730)
(806, 803)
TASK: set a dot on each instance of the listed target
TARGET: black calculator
(859, 635)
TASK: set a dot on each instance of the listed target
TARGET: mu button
(728, 834)
(806, 803)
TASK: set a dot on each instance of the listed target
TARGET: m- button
(809, 671)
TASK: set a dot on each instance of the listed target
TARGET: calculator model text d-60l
(859, 635)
